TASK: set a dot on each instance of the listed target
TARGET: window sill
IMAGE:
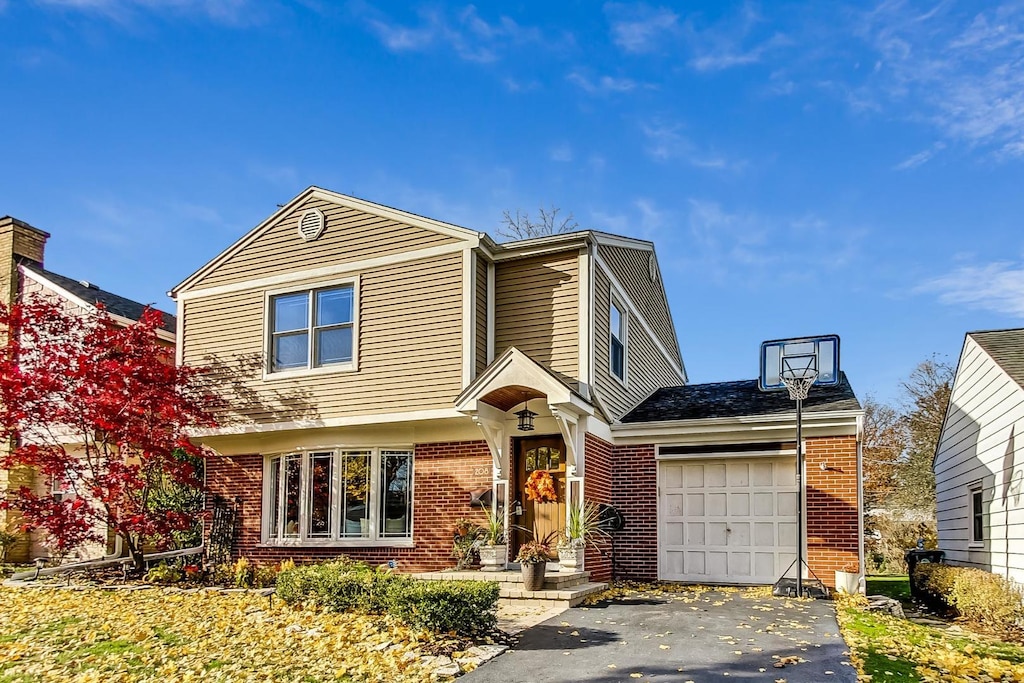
(976, 545)
(346, 543)
(307, 372)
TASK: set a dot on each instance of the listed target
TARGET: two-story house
(377, 365)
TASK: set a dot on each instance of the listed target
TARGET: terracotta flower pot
(533, 575)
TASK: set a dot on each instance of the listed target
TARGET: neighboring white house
(979, 461)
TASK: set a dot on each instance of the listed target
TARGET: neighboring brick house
(21, 260)
(374, 363)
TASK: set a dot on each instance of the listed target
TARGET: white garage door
(726, 520)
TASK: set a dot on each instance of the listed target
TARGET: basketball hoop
(798, 374)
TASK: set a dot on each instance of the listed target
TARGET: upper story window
(312, 328)
(617, 342)
(977, 514)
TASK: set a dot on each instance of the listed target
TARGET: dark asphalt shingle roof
(1006, 348)
(91, 294)
(736, 399)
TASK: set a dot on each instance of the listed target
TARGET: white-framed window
(343, 496)
(63, 486)
(617, 340)
(976, 499)
(312, 328)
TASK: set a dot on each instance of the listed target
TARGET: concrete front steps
(561, 589)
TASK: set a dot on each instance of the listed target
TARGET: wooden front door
(538, 520)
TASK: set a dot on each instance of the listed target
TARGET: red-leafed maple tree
(102, 409)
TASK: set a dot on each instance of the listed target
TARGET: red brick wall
(443, 476)
(635, 495)
(597, 487)
(832, 510)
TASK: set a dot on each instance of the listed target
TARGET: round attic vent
(311, 224)
(652, 267)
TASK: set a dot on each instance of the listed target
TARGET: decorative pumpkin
(540, 487)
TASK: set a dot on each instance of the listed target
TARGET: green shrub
(464, 607)
(164, 573)
(986, 599)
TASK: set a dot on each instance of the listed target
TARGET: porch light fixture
(526, 416)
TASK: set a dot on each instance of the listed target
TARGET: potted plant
(465, 536)
(533, 558)
(491, 546)
(582, 529)
(848, 579)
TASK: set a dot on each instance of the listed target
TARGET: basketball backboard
(799, 357)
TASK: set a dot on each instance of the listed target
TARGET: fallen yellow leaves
(937, 656)
(50, 634)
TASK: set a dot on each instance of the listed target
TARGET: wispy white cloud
(996, 287)
(733, 42)
(605, 85)
(920, 158)
(465, 32)
(561, 153)
(747, 247)
(644, 219)
(640, 28)
(666, 141)
(958, 70)
(234, 12)
(515, 85)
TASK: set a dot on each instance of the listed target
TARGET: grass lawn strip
(92, 635)
(887, 648)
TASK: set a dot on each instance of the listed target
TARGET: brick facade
(832, 508)
(598, 487)
(833, 512)
(444, 474)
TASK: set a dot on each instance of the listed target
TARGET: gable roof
(735, 399)
(355, 203)
(87, 294)
(1006, 347)
(530, 379)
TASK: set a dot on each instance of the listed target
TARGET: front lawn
(890, 649)
(897, 587)
(95, 635)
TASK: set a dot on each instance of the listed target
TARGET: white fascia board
(842, 422)
(353, 421)
(610, 240)
(338, 270)
(82, 303)
(473, 237)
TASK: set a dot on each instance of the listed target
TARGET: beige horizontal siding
(480, 311)
(410, 348)
(349, 235)
(646, 367)
(536, 303)
(631, 267)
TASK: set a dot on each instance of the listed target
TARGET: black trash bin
(915, 557)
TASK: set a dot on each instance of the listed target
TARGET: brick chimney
(19, 243)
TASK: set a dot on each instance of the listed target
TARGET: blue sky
(803, 168)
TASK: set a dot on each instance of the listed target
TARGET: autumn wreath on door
(540, 487)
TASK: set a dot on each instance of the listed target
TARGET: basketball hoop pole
(799, 497)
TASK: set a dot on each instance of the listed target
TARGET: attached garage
(726, 520)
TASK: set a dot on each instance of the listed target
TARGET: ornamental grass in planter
(581, 530)
(492, 545)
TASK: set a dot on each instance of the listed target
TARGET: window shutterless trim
(272, 530)
(976, 490)
(310, 368)
(615, 302)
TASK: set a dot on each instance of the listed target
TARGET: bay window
(342, 496)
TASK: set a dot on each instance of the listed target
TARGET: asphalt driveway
(686, 636)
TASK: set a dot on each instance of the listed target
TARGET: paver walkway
(679, 637)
